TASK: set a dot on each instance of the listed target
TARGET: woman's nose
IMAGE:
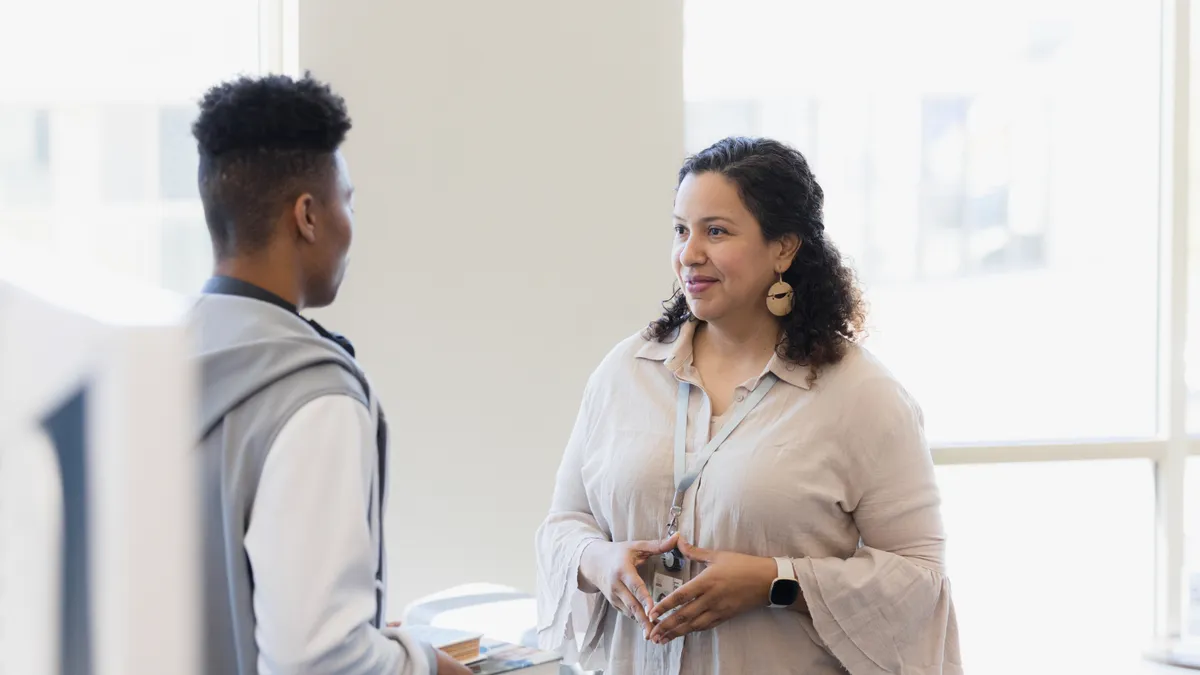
(692, 253)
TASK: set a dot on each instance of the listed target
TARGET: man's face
(333, 219)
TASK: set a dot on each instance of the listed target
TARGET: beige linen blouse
(837, 476)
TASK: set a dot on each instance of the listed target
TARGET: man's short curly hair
(263, 142)
(779, 189)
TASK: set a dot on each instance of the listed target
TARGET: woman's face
(721, 259)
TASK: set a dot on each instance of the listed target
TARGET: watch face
(784, 591)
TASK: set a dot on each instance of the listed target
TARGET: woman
(749, 434)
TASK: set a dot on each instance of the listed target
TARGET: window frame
(1171, 445)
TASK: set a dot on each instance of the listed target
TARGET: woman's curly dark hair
(779, 189)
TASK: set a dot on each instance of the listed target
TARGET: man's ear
(302, 213)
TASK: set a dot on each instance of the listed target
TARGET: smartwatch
(785, 590)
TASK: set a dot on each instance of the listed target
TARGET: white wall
(515, 168)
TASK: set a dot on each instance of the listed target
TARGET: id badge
(664, 585)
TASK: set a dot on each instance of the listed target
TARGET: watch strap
(786, 570)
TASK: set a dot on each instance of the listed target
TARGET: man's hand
(612, 568)
(732, 583)
(448, 666)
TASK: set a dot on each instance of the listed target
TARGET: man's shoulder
(329, 382)
(333, 408)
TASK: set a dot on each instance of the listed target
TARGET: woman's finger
(695, 553)
(679, 623)
(672, 627)
(633, 608)
(633, 581)
(680, 596)
(706, 621)
(657, 547)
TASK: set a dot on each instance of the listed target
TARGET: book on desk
(504, 657)
(485, 656)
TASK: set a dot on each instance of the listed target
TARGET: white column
(515, 165)
(1173, 305)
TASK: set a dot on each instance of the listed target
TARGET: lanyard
(685, 479)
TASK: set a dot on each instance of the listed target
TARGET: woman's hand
(612, 568)
(732, 583)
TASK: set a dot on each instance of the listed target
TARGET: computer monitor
(100, 567)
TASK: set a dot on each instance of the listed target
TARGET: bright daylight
(653, 337)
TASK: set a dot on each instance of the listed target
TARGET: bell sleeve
(560, 541)
(887, 609)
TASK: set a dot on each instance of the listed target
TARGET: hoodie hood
(245, 345)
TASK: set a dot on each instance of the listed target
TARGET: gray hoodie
(259, 364)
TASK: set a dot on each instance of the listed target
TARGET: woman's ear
(302, 213)
(789, 245)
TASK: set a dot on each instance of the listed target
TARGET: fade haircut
(263, 142)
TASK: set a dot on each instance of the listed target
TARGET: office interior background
(1012, 180)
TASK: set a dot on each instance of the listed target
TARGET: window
(24, 157)
(177, 156)
(96, 156)
(1004, 232)
(1191, 579)
(1002, 178)
(126, 148)
(1028, 578)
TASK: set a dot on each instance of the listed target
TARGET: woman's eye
(680, 230)
(715, 231)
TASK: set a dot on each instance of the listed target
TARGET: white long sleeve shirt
(836, 475)
(310, 547)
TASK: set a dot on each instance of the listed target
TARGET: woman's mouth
(695, 285)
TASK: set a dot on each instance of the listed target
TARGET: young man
(293, 442)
